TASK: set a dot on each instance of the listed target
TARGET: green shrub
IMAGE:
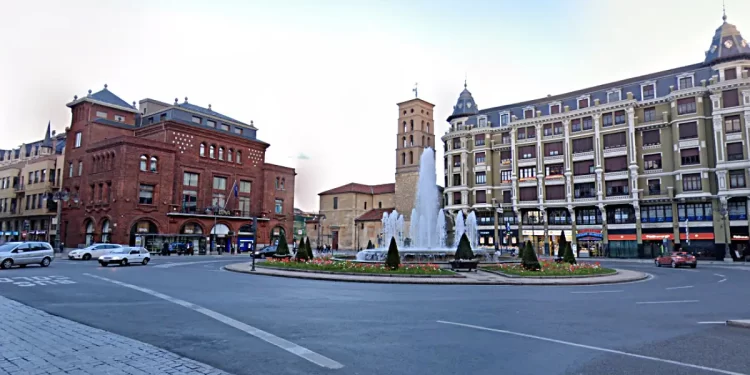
(529, 260)
(569, 257)
(283, 247)
(464, 249)
(561, 244)
(393, 260)
(302, 253)
(310, 252)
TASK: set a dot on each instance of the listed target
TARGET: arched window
(403, 158)
(105, 231)
(238, 155)
(221, 153)
(428, 142)
(283, 181)
(211, 151)
(277, 183)
(428, 127)
(423, 142)
(203, 149)
(411, 157)
(411, 122)
(89, 232)
(404, 125)
(153, 163)
(380, 204)
(411, 140)
(404, 141)
(144, 163)
(422, 125)
(229, 155)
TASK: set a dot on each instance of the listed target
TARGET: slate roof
(465, 105)
(727, 44)
(374, 214)
(208, 112)
(106, 96)
(362, 189)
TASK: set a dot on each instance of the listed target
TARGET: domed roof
(465, 106)
(727, 44)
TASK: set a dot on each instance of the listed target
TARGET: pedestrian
(165, 249)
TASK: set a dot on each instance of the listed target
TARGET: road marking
(679, 287)
(723, 323)
(600, 349)
(289, 346)
(660, 302)
(599, 291)
(24, 281)
(720, 275)
(170, 265)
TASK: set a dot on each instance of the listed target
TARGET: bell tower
(416, 130)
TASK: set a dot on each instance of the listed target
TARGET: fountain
(471, 230)
(441, 231)
(460, 229)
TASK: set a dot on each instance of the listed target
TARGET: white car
(94, 251)
(126, 256)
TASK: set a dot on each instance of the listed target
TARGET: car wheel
(86, 256)
(46, 262)
(124, 262)
(674, 265)
(8, 263)
(103, 264)
(145, 261)
(656, 263)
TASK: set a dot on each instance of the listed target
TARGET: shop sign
(698, 236)
(595, 233)
(739, 237)
(657, 237)
(550, 232)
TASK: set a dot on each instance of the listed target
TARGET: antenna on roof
(416, 95)
(465, 79)
(724, 8)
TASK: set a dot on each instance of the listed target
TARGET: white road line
(289, 346)
(170, 265)
(679, 287)
(611, 351)
(660, 302)
(720, 275)
(722, 323)
(599, 291)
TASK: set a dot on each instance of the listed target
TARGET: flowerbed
(328, 265)
(552, 269)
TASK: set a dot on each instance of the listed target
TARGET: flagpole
(234, 185)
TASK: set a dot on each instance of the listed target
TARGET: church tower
(416, 130)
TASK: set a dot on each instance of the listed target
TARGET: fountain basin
(421, 255)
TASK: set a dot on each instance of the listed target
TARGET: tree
(561, 244)
(310, 252)
(464, 249)
(393, 260)
(282, 248)
(302, 253)
(568, 257)
(370, 245)
(529, 260)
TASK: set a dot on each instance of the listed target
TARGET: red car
(677, 259)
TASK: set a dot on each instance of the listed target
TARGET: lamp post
(725, 217)
(546, 238)
(495, 207)
(215, 210)
(255, 240)
(59, 197)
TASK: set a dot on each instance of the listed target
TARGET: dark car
(265, 252)
(179, 248)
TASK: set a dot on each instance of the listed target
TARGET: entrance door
(335, 240)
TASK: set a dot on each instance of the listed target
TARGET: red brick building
(169, 172)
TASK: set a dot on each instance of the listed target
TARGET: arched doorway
(106, 232)
(276, 233)
(245, 238)
(89, 232)
(142, 234)
(220, 239)
(192, 234)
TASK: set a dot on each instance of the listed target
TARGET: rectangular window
(220, 183)
(649, 92)
(691, 182)
(505, 156)
(119, 118)
(456, 143)
(651, 137)
(456, 179)
(555, 192)
(481, 178)
(70, 169)
(590, 216)
(732, 124)
(575, 125)
(527, 193)
(654, 186)
(244, 206)
(527, 152)
(583, 103)
(530, 132)
(554, 170)
(505, 138)
(189, 201)
(190, 179)
(584, 190)
(583, 145)
(146, 194)
(737, 210)
(688, 130)
(505, 176)
(224, 127)
(690, 156)
(245, 186)
(278, 206)
(656, 214)
(162, 117)
(526, 172)
(481, 196)
(737, 178)
(504, 119)
(218, 199)
(730, 73)
(456, 161)
(619, 117)
(614, 140)
(506, 197)
(529, 113)
(616, 164)
(78, 139)
(521, 134)
(588, 124)
(547, 129)
(209, 123)
(695, 211)
(101, 114)
(613, 96)
(479, 158)
(652, 161)
(607, 119)
(730, 98)
(553, 149)
(80, 168)
(335, 203)
(238, 131)
(616, 188)
(685, 83)
(479, 140)
(558, 128)
(554, 109)
(44, 175)
(649, 114)
(734, 151)
(197, 120)
(582, 168)
(685, 106)
(456, 197)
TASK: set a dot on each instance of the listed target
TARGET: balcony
(653, 170)
(690, 143)
(616, 151)
(208, 212)
(18, 188)
(584, 178)
(530, 181)
(586, 155)
(526, 162)
(655, 192)
(618, 175)
(553, 159)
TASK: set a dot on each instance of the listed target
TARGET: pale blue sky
(323, 78)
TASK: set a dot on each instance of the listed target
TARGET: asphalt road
(189, 306)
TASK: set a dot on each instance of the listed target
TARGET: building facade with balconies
(29, 177)
(622, 168)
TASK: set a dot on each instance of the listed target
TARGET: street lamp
(546, 237)
(59, 197)
(495, 207)
(215, 210)
(725, 217)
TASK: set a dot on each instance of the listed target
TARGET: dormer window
(730, 73)
(554, 108)
(119, 118)
(685, 82)
(528, 112)
(648, 91)
(482, 122)
(583, 102)
(209, 123)
(197, 120)
(504, 119)
(613, 96)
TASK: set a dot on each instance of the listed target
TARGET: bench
(464, 265)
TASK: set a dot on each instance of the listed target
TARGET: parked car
(179, 248)
(24, 253)
(267, 251)
(94, 251)
(676, 259)
(126, 256)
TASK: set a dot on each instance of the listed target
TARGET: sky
(321, 79)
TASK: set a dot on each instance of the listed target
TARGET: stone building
(350, 215)
(29, 176)
(625, 169)
(169, 172)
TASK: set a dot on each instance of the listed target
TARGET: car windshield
(7, 247)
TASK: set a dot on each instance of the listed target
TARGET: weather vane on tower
(416, 95)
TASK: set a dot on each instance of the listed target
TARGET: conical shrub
(393, 260)
(283, 247)
(464, 249)
(529, 260)
(310, 252)
(562, 244)
(569, 257)
(370, 245)
(302, 252)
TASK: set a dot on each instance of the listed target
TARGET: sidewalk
(651, 261)
(469, 278)
(34, 342)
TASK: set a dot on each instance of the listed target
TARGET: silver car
(24, 253)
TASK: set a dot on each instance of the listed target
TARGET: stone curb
(739, 323)
(456, 276)
(244, 268)
(548, 277)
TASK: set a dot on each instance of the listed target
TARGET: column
(513, 171)
(568, 162)
(598, 159)
(573, 231)
(719, 140)
(747, 131)
(603, 212)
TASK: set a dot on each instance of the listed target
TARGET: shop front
(701, 242)
(537, 238)
(740, 241)
(621, 245)
(656, 243)
(508, 240)
(554, 239)
(589, 241)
